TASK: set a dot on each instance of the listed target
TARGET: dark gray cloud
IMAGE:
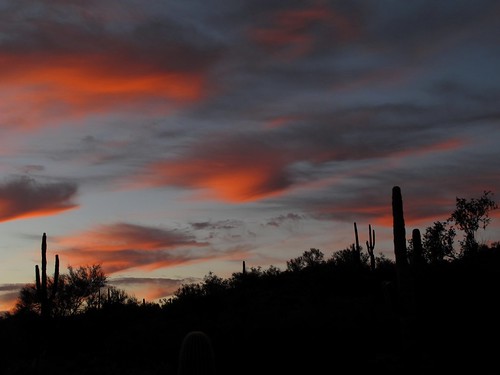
(281, 219)
(10, 287)
(23, 196)
(217, 225)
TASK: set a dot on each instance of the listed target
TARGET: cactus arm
(37, 280)
(44, 275)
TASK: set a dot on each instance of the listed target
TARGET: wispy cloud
(282, 219)
(123, 246)
(8, 295)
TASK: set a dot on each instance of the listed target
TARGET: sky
(168, 139)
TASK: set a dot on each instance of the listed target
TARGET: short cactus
(196, 355)
(370, 246)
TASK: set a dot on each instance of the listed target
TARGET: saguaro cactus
(55, 282)
(405, 283)
(41, 280)
(399, 232)
(196, 356)
(357, 248)
(417, 255)
(37, 279)
(370, 246)
(43, 291)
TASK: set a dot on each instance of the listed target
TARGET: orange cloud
(24, 198)
(232, 177)
(122, 246)
(240, 184)
(57, 85)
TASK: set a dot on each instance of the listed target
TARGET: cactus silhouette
(399, 233)
(405, 282)
(370, 246)
(404, 279)
(41, 280)
(37, 281)
(55, 282)
(417, 255)
(43, 291)
(196, 356)
(357, 248)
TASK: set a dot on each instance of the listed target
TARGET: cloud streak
(123, 246)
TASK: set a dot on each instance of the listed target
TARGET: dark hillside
(325, 316)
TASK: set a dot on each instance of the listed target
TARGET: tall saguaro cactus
(399, 232)
(405, 282)
(43, 292)
(41, 280)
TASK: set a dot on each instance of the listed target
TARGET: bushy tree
(77, 291)
(28, 301)
(115, 296)
(309, 258)
(470, 215)
(438, 242)
(350, 257)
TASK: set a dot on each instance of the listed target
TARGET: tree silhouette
(307, 259)
(74, 293)
(471, 214)
(438, 242)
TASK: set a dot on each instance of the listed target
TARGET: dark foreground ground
(316, 323)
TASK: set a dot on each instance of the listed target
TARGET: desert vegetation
(433, 308)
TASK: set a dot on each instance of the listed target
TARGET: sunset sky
(167, 139)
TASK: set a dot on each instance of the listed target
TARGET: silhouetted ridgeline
(338, 315)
